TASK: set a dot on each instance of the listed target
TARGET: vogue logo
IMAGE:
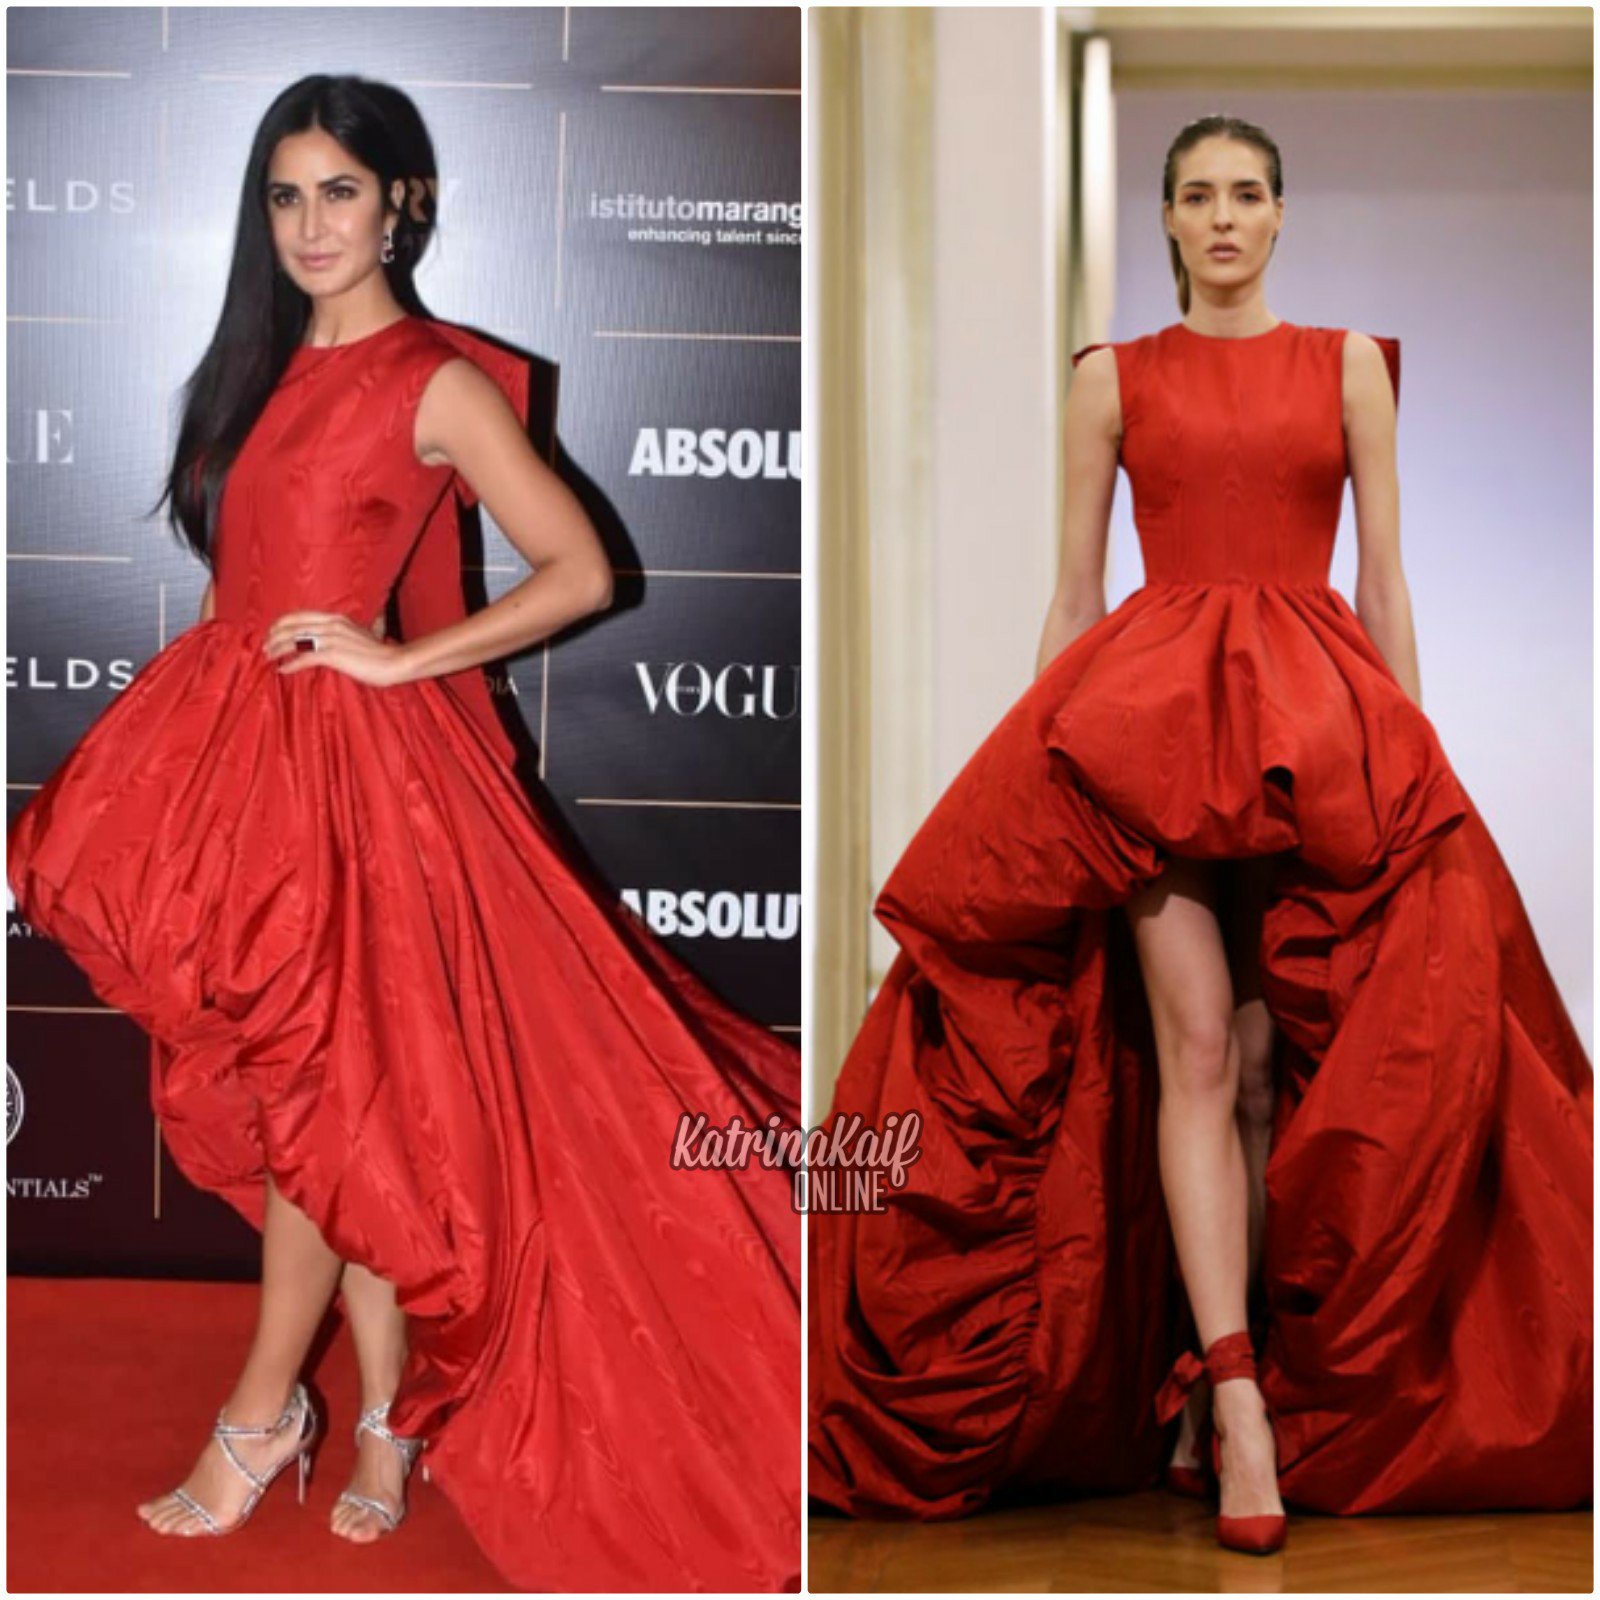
(39, 437)
(736, 691)
(72, 195)
(715, 453)
(696, 914)
(80, 673)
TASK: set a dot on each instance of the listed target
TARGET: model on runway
(1209, 972)
(392, 1022)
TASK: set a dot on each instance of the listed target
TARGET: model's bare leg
(1249, 887)
(378, 1327)
(1185, 965)
(1255, 1030)
(298, 1274)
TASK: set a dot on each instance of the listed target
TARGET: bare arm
(465, 420)
(1383, 600)
(1092, 434)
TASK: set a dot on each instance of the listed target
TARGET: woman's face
(326, 213)
(1223, 214)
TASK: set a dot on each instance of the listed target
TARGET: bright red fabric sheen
(1005, 1324)
(368, 968)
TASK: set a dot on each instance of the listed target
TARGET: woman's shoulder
(1173, 332)
(428, 341)
(1129, 354)
(1116, 346)
(1176, 336)
(432, 343)
(1175, 341)
(1340, 337)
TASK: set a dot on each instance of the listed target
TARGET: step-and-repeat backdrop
(620, 198)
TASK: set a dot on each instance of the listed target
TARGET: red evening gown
(1001, 1328)
(367, 969)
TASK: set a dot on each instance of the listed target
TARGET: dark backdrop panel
(692, 698)
(691, 191)
(719, 888)
(698, 449)
(619, 197)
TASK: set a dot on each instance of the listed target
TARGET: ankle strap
(1186, 1371)
(1231, 1356)
(234, 1430)
(376, 1421)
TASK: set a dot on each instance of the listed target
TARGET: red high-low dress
(1004, 1325)
(367, 969)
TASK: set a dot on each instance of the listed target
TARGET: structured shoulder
(1387, 346)
(438, 343)
(463, 370)
(434, 343)
(1121, 349)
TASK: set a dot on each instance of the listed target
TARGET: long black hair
(264, 313)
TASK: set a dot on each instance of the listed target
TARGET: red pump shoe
(1228, 1357)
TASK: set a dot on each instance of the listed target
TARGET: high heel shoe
(375, 1423)
(300, 1410)
(1228, 1357)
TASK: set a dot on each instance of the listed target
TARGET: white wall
(994, 446)
(959, 619)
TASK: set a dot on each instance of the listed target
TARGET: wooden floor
(1158, 1543)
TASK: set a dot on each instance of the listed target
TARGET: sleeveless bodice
(1235, 451)
(327, 508)
(326, 498)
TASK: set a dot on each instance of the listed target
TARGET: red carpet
(113, 1386)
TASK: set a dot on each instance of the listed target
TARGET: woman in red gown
(392, 1024)
(1211, 885)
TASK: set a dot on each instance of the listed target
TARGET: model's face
(1223, 214)
(326, 212)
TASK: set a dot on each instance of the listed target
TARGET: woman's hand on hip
(360, 653)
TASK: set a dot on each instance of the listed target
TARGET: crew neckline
(1242, 338)
(303, 351)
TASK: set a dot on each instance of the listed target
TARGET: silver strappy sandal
(374, 1422)
(300, 1410)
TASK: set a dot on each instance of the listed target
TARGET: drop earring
(386, 254)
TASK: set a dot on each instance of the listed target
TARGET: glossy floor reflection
(1158, 1543)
